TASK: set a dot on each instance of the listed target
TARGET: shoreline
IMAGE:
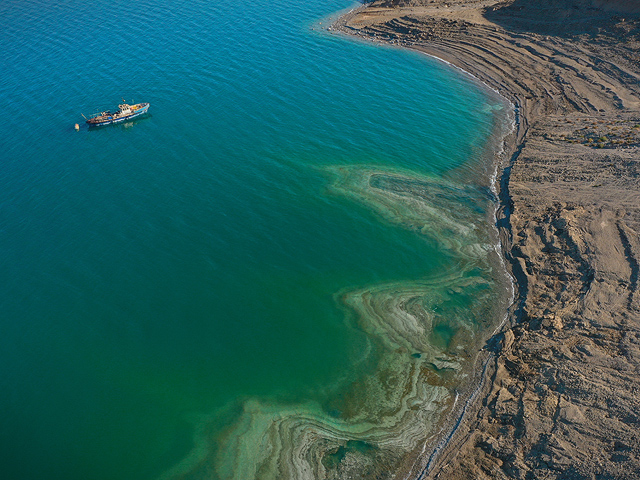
(517, 422)
(502, 161)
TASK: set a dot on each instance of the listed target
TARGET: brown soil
(561, 398)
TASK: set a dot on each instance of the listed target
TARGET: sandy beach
(560, 397)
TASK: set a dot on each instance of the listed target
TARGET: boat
(125, 112)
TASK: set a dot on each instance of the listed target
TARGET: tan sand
(561, 398)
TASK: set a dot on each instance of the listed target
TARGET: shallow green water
(163, 275)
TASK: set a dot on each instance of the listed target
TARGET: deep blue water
(171, 266)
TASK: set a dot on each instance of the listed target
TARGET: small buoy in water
(77, 127)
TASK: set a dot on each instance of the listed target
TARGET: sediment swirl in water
(423, 336)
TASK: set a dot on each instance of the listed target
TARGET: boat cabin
(125, 108)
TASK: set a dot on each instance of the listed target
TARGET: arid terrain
(561, 399)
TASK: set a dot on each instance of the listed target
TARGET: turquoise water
(165, 278)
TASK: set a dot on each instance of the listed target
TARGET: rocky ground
(562, 395)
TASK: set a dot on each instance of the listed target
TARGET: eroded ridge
(565, 389)
(541, 55)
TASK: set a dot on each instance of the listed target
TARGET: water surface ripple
(284, 271)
